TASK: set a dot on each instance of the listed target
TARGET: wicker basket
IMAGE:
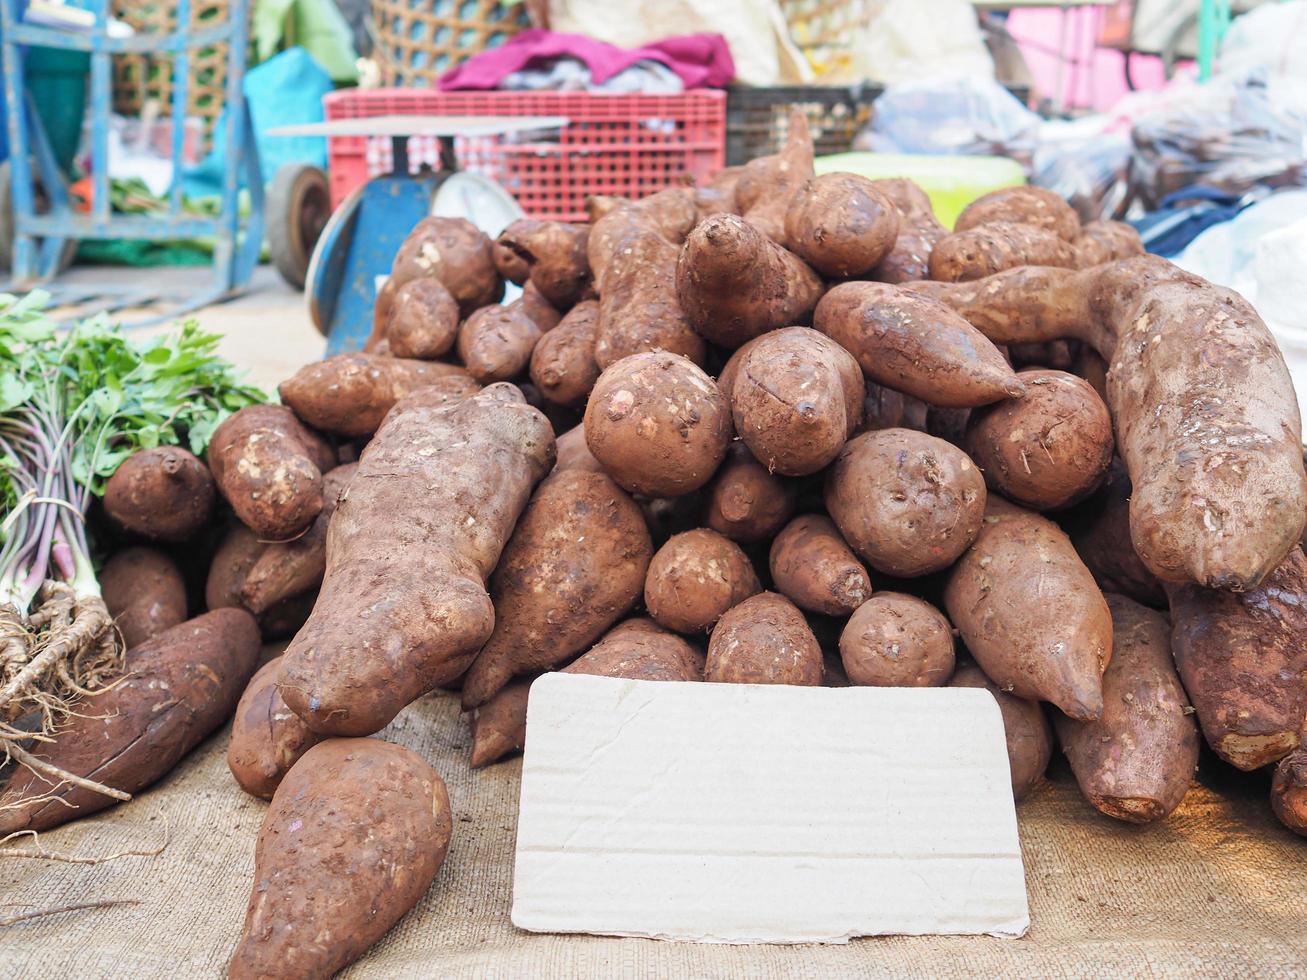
(414, 47)
(140, 78)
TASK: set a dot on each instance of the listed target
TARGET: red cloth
(701, 60)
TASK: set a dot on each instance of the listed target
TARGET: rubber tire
(7, 227)
(298, 206)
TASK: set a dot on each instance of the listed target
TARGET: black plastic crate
(758, 119)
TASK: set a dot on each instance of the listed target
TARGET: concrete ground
(266, 331)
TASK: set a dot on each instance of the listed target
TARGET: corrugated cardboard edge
(1017, 928)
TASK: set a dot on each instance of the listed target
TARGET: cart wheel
(7, 223)
(298, 206)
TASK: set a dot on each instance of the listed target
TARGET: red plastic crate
(630, 145)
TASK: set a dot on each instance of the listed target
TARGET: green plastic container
(952, 182)
(56, 77)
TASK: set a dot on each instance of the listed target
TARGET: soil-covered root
(66, 647)
(165, 494)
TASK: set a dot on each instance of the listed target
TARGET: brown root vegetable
(423, 321)
(666, 214)
(1289, 791)
(796, 399)
(574, 454)
(561, 417)
(1136, 761)
(508, 263)
(669, 516)
(1243, 660)
(813, 567)
(1048, 449)
(1087, 363)
(768, 184)
(495, 343)
(906, 195)
(635, 273)
(144, 592)
(1030, 612)
(916, 345)
(598, 206)
(285, 618)
(177, 688)
(641, 650)
(907, 502)
(1106, 241)
(735, 284)
(638, 649)
(440, 393)
(696, 577)
(712, 200)
(269, 467)
(746, 501)
(563, 364)
(454, 251)
(499, 725)
(841, 225)
(267, 738)
(290, 568)
(555, 257)
(1100, 531)
(987, 249)
(658, 424)
(403, 607)
(764, 640)
(1056, 355)
(1025, 726)
(164, 493)
(724, 182)
(949, 424)
(919, 231)
(885, 408)
(897, 640)
(1205, 413)
(731, 369)
(537, 309)
(575, 565)
(672, 211)
(331, 876)
(350, 394)
(1023, 205)
(237, 553)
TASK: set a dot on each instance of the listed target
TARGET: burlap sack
(1220, 889)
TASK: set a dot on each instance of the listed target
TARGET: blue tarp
(284, 90)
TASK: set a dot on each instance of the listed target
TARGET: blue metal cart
(357, 247)
(41, 239)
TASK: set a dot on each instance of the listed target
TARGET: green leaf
(14, 390)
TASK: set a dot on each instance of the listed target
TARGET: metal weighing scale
(357, 246)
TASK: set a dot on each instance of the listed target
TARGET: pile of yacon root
(776, 429)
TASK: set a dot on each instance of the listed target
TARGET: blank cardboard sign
(740, 813)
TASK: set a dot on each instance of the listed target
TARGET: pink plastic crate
(631, 145)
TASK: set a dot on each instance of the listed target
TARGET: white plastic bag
(1261, 254)
(952, 116)
(915, 39)
(1272, 37)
